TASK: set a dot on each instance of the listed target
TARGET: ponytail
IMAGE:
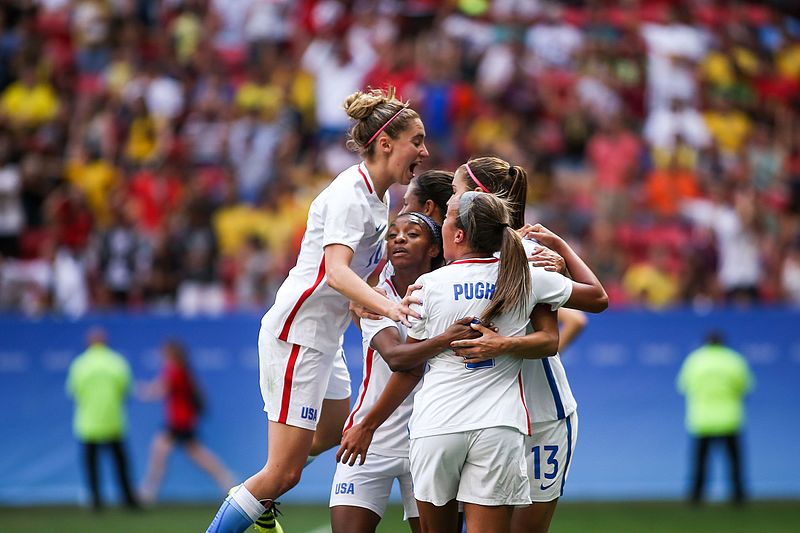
(517, 195)
(513, 278)
(486, 220)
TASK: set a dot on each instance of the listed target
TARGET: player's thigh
(436, 463)
(347, 519)
(367, 486)
(487, 519)
(293, 381)
(494, 470)
(439, 518)
(535, 518)
(549, 457)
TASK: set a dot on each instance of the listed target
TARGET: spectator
(99, 381)
(651, 283)
(161, 107)
(715, 379)
(199, 291)
(123, 260)
(29, 102)
(12, 215)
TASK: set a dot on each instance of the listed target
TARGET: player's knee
(290, 478)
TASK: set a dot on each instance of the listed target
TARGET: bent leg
(289, 447)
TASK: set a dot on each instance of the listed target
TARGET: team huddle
(464, 399)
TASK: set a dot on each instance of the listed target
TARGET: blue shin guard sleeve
(230, 518)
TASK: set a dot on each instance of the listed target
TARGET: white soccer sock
(248, 502)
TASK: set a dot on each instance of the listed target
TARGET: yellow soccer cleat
(267, 523)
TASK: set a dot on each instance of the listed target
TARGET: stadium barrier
(631, 444)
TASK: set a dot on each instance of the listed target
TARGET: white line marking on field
(321, 529)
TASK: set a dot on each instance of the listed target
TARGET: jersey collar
(484, 260)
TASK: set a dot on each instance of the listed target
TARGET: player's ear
(385, 144)
(429, 207)
(459, 236)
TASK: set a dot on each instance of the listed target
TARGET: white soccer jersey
(455, 398)
(307, 311)
(547, 392)
(391, 438)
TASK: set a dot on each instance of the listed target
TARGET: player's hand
(365, 312)
(459, 330)
(408, 300)
(487, 346)
(548, 259)
(543, 236)
(355, 443)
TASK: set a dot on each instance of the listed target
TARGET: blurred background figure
(184, 405)
(99, 381)
(715, 380)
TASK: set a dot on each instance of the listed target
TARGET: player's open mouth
(399, 251)
(412, 167)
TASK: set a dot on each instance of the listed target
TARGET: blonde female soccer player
(300, 335)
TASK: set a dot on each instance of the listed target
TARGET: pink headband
(375, 135)
(477, 182)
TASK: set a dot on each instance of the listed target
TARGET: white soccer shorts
(369, 485)
(296, 379)
(483, 466)
(339, 382)
(549, 453)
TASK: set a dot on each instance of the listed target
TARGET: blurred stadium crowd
(161, 155)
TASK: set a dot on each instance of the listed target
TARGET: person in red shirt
(183, 405)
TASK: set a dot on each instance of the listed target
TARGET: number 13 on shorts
(550, 467)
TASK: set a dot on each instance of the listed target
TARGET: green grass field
(617, 517)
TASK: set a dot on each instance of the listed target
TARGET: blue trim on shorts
(569, 453)
(553, 389)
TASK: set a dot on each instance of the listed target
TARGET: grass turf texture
(617, 517)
